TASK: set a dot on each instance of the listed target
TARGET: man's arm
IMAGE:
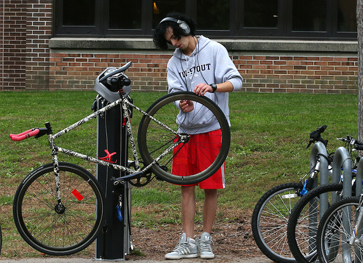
(202, 88)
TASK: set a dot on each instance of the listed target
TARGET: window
(347, 16)
(261, 13)
(124, 14)
(309, 15)
(309, 19)
(162, 7)
(79, 13)
(212, 18)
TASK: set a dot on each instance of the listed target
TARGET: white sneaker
(204, 246)
(186, 248)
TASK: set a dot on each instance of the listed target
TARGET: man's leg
(187, 246)
(188, 210)
(209, 213)
(209, 209)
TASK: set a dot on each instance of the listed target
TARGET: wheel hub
(60, 208)
(184, 138)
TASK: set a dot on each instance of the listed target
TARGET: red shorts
(185, 161)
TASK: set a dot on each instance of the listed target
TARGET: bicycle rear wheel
(335, 230)
(269, 221)
(304, 220)
(59, 229)
(174, 125)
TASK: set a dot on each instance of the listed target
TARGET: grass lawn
(269, 132)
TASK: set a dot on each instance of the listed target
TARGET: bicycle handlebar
(24, 135)
(315, 136)
(29, 133)
(355, 143)
(358, 147)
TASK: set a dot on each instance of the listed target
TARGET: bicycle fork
(308, 184)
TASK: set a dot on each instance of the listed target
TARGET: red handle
(24, 135)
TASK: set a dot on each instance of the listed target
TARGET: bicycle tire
(269, 223)
(154, 138)
(303, 222)
(333, 228)
(69, 230)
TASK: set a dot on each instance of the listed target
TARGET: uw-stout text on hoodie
(209, 63)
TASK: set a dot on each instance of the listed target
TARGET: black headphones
(183, 25)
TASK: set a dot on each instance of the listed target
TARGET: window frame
(61, 30)
(236, 30)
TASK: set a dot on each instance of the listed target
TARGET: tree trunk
(360, 67)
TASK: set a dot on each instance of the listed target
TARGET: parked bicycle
(272, 211)
(58, 208)
(340, 233)
(305, 216)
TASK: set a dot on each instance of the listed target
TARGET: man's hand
(186, 105)
(202, 88)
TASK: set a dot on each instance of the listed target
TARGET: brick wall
(303, 74)
(25, 30)
(13, 44)
(79, 71)
(39, 31)
(27, 62)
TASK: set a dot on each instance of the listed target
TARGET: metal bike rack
(359, 179)
(341, 157)
(320, 149)
(114, 241)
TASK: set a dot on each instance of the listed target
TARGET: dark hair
(159, 33)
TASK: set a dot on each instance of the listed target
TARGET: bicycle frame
(126, 105)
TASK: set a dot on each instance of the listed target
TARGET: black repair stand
(114, 241)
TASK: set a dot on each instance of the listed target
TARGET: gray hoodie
(209, 63)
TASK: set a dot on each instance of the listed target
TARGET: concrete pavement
(83, 260)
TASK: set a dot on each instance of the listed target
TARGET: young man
(215, 77)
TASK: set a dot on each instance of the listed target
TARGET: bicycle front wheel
(165, 124)
(269, 221)
(304, 220)
(334, 238)
(53, 227)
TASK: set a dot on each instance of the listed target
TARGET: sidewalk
(82, 260)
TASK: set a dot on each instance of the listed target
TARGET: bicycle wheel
(57, 229)
(335, 231)
(173, 125)
(303, 222)
(269, 221)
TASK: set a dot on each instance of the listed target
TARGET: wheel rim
(52, 227)
(154, 139)
(275, 215)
